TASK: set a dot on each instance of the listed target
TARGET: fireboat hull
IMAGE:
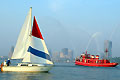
(96, 64)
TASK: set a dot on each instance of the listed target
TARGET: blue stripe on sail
(38, 53)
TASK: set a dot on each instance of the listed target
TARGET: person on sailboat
(8, 62)
(1, 65)
(4, 63)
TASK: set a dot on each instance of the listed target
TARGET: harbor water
(67, 71)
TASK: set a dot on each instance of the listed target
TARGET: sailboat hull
(26, 68)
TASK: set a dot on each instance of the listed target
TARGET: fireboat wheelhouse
(92, 60)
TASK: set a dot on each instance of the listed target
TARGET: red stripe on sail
(35, 30)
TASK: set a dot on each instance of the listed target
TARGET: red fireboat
(92, 60)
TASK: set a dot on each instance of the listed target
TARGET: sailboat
(31, 48)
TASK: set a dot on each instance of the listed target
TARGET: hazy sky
(64, 23)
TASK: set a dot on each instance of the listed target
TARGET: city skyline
(66, 23)
(63, 55)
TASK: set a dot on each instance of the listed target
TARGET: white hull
(26, 68)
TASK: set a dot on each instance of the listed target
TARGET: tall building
(65, 51)
(66, 54)
(107, 49)
(55, 56)
(62, 55)
(11, 52)
(70, 53)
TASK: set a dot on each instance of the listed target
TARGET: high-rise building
(65, 51)
(55, 56)
(107, 49)
(11, 52)
(70, 53)
(66, 54)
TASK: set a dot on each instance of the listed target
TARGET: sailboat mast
(27, 55)
(30, 20)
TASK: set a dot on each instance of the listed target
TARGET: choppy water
(67, 71)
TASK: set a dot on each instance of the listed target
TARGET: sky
(73, 24)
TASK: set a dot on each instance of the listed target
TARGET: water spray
(94, 37)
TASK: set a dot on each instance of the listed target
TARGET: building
(107, 49)
(55, 56)
(70, 53)
(66, 54)
(62, 55)
(11, 52)
(65, 51)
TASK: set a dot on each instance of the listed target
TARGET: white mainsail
(23, 39)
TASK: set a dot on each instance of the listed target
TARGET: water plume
(94, 37)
